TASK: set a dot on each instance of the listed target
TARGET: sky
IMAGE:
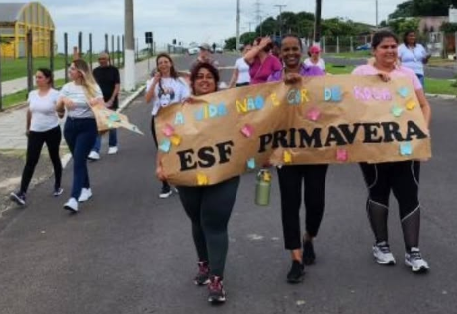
(189, 20)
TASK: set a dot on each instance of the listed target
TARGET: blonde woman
(80, 130)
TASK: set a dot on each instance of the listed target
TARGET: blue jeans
(112, 141)
(80, 135)
(421, 79)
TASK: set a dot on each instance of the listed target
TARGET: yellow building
(15, 20)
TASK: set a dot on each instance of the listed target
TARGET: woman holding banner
(80, 130)
(291, 178)
(165, 88)
(400, 177)
(261, 63)
(208, 207)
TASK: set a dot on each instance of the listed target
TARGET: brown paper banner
(108, 119)
(329, 119)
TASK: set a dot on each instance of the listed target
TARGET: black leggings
(209, 208)
(35, 143)
(154, 136)
(290, 186)
(403, 179)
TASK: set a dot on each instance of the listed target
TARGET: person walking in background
(165, 88)
(261, 63)
(402, 177)
(292, 178)
(315, 58)
(241, 75)
(208, 207)
(413, 55)
(80, 130)
(108, 78)
(42, 127)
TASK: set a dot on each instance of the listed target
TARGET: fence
(438, 44)
(22, 68)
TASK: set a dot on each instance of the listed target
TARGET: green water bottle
(262, 188)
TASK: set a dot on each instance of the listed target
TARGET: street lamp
(129, 67)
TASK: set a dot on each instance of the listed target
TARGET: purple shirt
(260, 72)
(304, 71)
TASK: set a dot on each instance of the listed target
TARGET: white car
(219, 49)
(193, 50)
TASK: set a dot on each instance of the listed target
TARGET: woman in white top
(165, 88)
(42, 127)
(413, 55)
(241, 75)
(315, 59)
(80, 131)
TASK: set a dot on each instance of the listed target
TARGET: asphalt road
(430, 72)
(128, 252)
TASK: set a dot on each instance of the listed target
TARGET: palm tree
(317, 22)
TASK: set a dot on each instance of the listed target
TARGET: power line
(258, 15)
(280, 6)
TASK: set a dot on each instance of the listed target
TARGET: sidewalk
(12, 122)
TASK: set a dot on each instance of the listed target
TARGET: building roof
(9, 12)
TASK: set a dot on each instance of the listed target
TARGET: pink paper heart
(168, 130)
(247, 130)
(342, 154)
(313, 114)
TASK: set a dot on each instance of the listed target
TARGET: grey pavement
(12, 122)
(129, 252)
(431, 72)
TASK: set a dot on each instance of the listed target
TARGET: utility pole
(377, 15)
(280, 6)
(258, 16)
(237, 25)
(317, 24)
(129, 70)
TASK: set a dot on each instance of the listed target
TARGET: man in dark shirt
(204, 57)
(108, 78)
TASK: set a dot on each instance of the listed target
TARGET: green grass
(17, 68)
(18, 98)
(351, 55)
(432, 86)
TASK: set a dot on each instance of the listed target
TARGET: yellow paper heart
(202, 179)
(175, 140)
(287, 157)
(411, 105)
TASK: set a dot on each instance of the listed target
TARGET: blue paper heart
(165, 146)
(251, 163)
(404, 92)
(406, 149)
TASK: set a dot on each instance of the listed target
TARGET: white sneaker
(382, 254)
(415, 261)
(94, 156)
(71, 205)
(86, 194)
(113, 150)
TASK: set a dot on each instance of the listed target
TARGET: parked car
(219, 49)
(367, 46)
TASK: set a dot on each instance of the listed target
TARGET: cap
(314, 49)
(205, 46)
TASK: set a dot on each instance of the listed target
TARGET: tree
(248, 38)
(230, 43)
(401, 26)
(423, 8)
(449, 27)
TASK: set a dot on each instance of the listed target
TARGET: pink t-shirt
(260, 72)
(398, 72)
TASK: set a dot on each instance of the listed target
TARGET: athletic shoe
(202, 277)
(71, 205)
(113, 150)
(86, 194)
(57, 192)
(216, 292)
(165, 192)
(18, 198)
(94, 156)
(414, 260)
(309, 257)
(382, 254)
(296, 272)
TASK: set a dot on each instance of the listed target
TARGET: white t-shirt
(43, 109)
(320, 63)
(77, 95)
(173, 91)
(243, 71)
